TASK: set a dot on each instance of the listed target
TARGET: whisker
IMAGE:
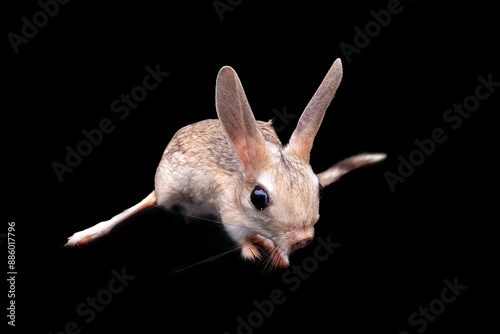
(213, 221)
(273, 255)
(267, 263)
(269, 259)
(211, 258)
(214, 257)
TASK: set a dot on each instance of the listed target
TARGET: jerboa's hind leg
(103, 228)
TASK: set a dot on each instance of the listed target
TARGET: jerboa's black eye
(259, 198)
(321, 190)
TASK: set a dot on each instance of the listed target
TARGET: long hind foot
(103, 228)
(84, 237)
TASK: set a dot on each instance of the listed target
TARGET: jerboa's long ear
(302, 138)
(334, 173)
(238, 120)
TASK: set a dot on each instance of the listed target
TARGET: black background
(397, 247)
